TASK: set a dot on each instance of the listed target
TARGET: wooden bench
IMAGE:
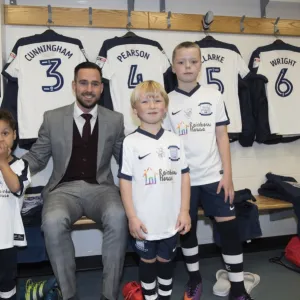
(263, 203)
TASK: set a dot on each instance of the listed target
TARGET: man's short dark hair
(7, 117)
(87, 65)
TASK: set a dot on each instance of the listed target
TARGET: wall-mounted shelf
(79, 17)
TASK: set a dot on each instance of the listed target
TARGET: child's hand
(183, 224)
(227, 184)
(4, 152)
(136, 227)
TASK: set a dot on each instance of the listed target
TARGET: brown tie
(86, 132)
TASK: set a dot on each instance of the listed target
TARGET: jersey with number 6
(125, 62)
(43, 65)
(222, 63)
(280, 64)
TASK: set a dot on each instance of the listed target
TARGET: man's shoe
(132, 291)
(243, 297)
(38, 290)
(193, 291)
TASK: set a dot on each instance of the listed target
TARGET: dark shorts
(165, 248)
(212, 203)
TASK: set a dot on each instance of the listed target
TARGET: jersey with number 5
(222, 64)
(43, 65)
(280, 64)
(125, 62)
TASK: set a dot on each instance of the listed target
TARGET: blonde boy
(155, 189)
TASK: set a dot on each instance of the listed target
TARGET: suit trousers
(63, 206)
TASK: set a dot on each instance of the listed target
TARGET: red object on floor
(132, 291)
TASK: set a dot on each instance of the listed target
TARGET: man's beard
(85, 105)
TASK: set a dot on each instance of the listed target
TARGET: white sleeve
(24, 178)
(104, 63)
(243, 70)
(167, 123)
(221, 113)
(164, 61)
(184, 165)
(126, 161)
(11, 69)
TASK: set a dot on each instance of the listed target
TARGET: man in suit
(81, 138)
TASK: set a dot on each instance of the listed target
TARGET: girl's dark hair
(6, 116)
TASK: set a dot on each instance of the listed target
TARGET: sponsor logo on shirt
(141, 157)
(160, 152)
(175, 112)
(205, 109)
(150, 176)
(182, 128)
(161, 176)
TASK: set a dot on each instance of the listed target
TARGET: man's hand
(227, 184)
(136, 228)
(183, 224)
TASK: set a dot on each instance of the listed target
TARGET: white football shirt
(12, 230)
(154, 164)
(280, 64)
(43, 65)
(222, 63)
(126, 62)
(194, 117)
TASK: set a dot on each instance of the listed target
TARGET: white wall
(249, 164)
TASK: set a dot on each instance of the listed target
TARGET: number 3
(54, 63)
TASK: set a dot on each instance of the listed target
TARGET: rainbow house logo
(150, 176)
(182, 128)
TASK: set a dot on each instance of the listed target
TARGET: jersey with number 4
(126, 62)
(43, 65)
(222, 63)
(280, 64)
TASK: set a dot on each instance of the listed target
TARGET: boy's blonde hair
(185, 45)
(148, 86)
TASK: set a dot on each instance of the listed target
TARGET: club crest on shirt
(205, 109)
(174, 155)
(188, 113)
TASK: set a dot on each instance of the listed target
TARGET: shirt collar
(78, 112)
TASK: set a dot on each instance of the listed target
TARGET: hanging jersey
(194, 117)
(154, 164)
(222, 63)
(125, 62)
(280, 64)
(12, 229)
(43, 65)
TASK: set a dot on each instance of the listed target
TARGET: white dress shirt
(80, 121)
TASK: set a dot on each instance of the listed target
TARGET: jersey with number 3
(43, 65)
(280, 64)
(222, 63)
(125, 62)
